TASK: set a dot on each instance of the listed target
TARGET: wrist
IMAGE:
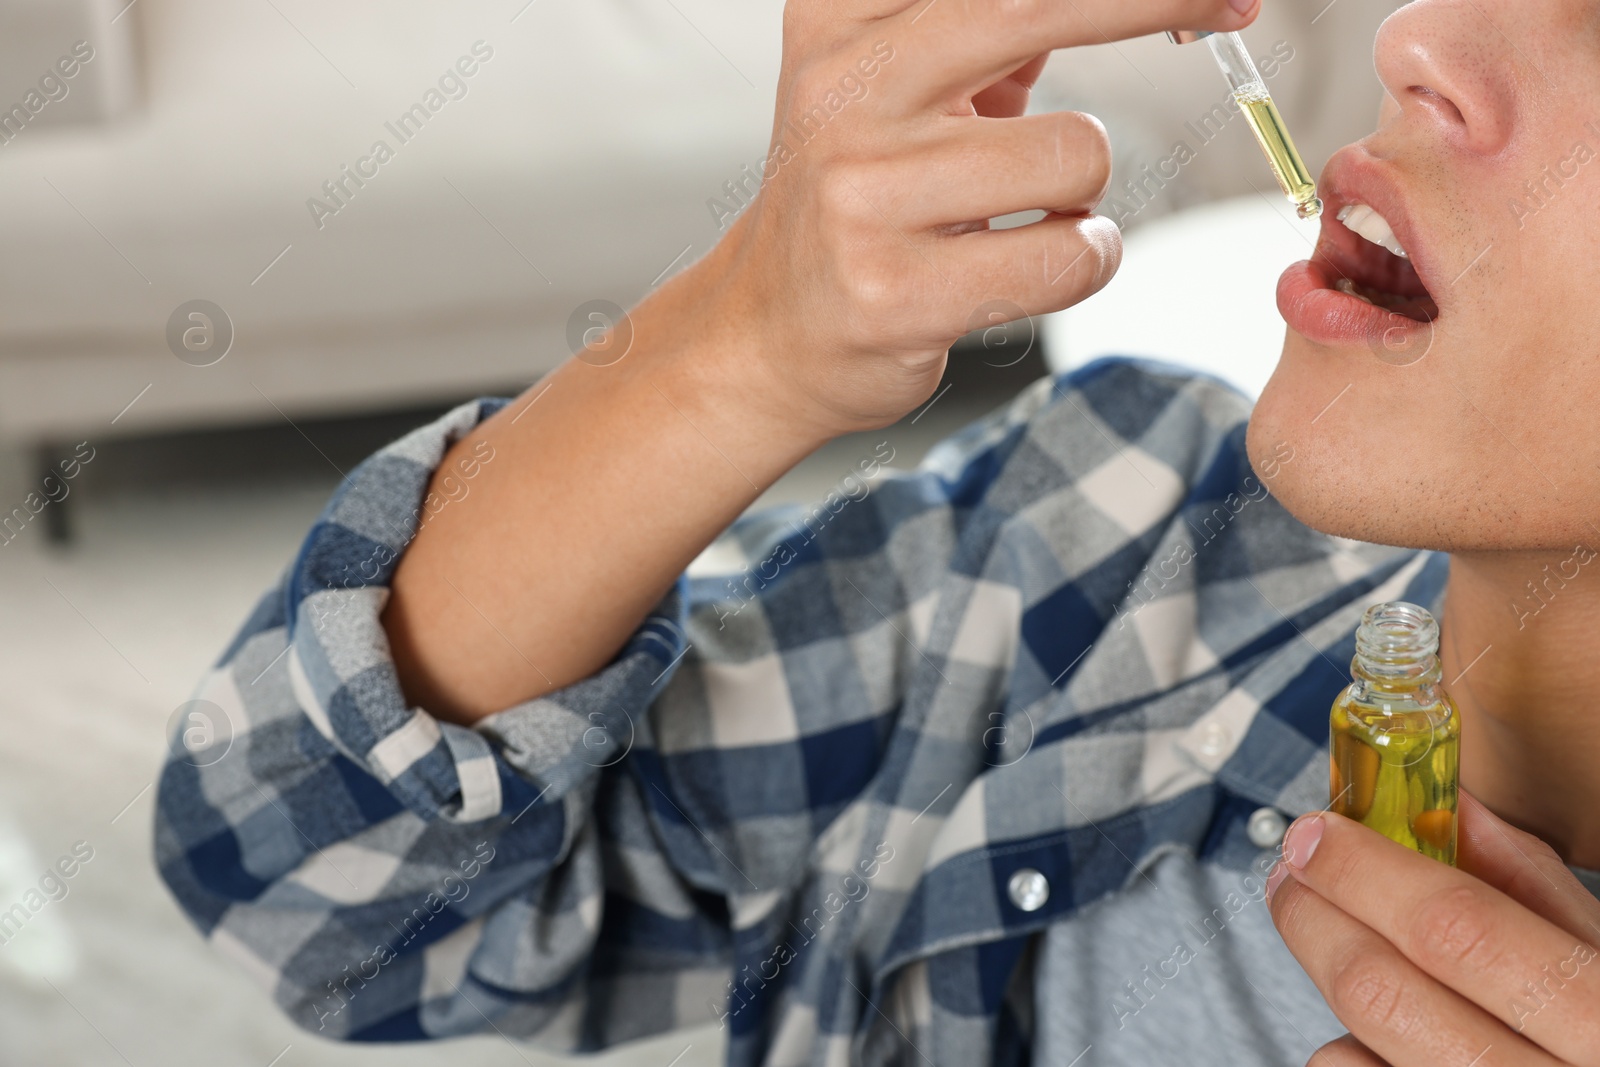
(717, 352)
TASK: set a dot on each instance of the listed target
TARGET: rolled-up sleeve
(570, 870)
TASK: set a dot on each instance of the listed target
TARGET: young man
(992, 763)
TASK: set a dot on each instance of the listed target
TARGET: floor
(102, 639)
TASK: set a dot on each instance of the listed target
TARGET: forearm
(606, 482)
(829, 306)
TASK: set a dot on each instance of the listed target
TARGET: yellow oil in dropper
(1293, 177)
(1250, 93)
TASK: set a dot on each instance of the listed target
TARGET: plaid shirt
(832, 787)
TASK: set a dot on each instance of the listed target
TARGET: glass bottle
(1395, 734)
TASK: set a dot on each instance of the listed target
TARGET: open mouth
(1374, 267)
(1363, 284)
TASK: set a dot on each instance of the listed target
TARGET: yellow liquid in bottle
(1293, 177)
(1398, 771)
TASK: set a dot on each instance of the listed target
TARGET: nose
(1450, 69)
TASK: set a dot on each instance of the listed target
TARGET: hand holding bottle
(1493, 962)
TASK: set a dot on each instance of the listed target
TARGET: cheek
(1526, 367)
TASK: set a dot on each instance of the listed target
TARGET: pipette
(1250, 92)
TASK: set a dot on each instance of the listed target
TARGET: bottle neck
(1381, 679)
(1397, 646)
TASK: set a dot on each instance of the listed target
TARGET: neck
(1520, 652)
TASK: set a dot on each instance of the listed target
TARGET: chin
(1325, 484)
(1366, 470)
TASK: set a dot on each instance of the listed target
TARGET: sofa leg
(58, 527)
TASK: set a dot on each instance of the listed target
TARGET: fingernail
(1243, 7)
(1279, 873)
(1302, 840)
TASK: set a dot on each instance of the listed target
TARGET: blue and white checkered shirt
(833, 786)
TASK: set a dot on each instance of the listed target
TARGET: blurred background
(215, 298)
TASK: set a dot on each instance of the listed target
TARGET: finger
(1391, 1006)
(1042, 267)
(1008, 97)
(1525, 869)
(956, 47)
(1527, 972)
(1344, 1052)
(982, 169)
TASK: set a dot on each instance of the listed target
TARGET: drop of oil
(1310, 209)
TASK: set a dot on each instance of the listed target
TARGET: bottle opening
(1397, 642)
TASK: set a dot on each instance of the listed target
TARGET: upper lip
(1354, 176)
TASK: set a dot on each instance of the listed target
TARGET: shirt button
(1266, 828)
(1214, 738)
(1028, 889)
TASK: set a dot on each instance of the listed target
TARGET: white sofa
(577, 167)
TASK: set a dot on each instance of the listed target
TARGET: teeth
(1362, 220)
(1345, 285)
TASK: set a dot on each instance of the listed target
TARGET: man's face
(1463, 410)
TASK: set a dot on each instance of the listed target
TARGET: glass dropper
(1250, 93)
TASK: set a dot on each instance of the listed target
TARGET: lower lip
(1317, 311)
